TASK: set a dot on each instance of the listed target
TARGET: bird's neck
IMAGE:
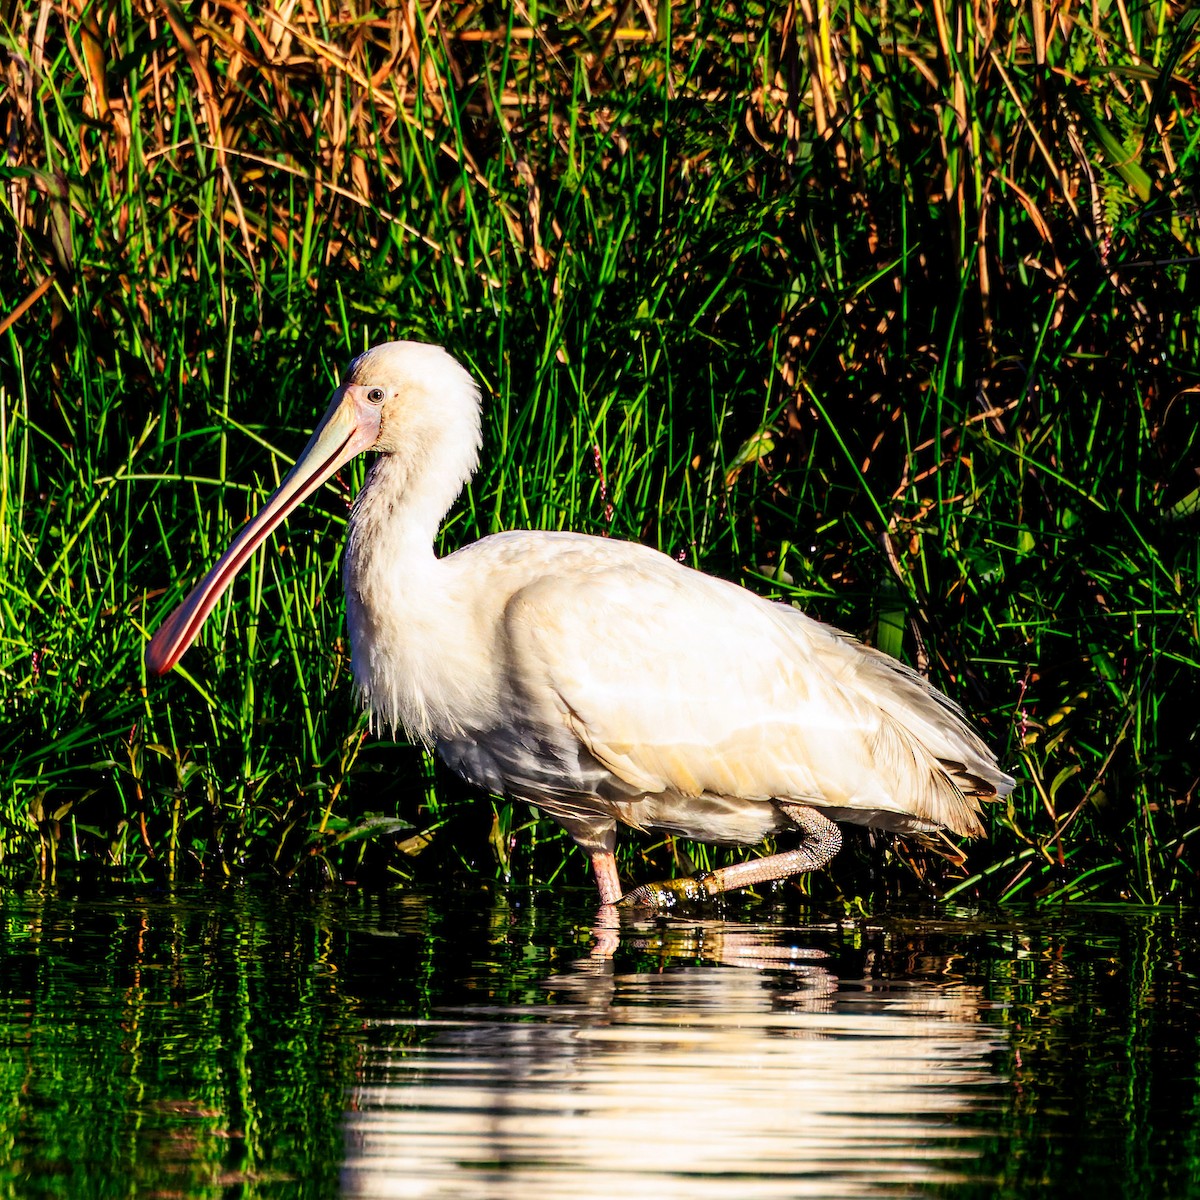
(398, 512)
(398, 596)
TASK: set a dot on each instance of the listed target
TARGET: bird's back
(620, 681)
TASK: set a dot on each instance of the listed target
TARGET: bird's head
(397, 397)
(410, 394)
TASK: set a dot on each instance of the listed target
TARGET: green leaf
(1187, 507)
(1123, 161)
(755, 448)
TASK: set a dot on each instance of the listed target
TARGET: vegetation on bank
(889, 311)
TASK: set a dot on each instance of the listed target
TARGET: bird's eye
(375, 395)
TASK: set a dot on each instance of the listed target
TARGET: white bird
(599, 680)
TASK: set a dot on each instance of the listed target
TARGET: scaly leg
(604, 867)
(823, 839)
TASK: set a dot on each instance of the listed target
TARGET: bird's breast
(420, 661)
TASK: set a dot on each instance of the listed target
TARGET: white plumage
(601, 680)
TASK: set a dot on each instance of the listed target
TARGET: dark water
(247, 1043)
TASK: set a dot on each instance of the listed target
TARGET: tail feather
(957, 767)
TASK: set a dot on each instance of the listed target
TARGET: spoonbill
(602, 681)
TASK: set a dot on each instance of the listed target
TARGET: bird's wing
(678, 682)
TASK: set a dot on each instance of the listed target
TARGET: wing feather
(682, 684)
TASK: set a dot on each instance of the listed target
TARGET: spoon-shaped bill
(349, 427)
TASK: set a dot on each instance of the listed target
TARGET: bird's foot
(670, 892)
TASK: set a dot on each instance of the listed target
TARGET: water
(493, 1044)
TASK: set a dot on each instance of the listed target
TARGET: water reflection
(272, 1043)
(739, 1064)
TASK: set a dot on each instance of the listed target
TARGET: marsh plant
(889, 312)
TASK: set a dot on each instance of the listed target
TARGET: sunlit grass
(890, 316)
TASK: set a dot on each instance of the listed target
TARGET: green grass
(889, 314)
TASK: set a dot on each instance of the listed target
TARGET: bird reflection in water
(738, 1064)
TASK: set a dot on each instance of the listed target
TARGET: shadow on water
(274, 1043)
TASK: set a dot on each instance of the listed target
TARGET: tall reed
(890, 313)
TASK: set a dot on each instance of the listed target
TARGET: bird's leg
(604, 867)
(823, 839)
